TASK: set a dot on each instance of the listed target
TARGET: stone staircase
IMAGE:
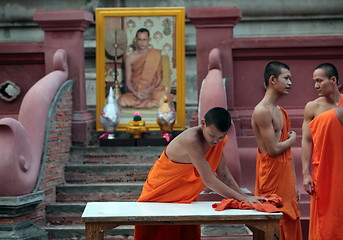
(110, 174)
(98, 174)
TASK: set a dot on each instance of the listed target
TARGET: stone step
(99, 192)
(77, 232)
(65, 213)
(115, 155)
(106, 173)
(226, 232)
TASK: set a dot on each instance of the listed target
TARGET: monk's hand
(148, 91)
(253, 199)
(292, 135)
(308, 184)
(141, 95)
(297, 194)
(137, 94)
(146, 95)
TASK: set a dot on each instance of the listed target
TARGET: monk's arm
(295, 182)
(128, 75)
(263, 119)
(210, 180)
(226, 177)
(306, 148)
(159, 73)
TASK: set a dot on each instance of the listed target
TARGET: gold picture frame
(166, 27)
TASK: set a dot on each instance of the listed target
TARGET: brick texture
(57, 154)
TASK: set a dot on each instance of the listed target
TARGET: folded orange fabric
(273, 204)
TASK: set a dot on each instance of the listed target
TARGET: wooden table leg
(96, 230)
(266, 230)
(272, 231)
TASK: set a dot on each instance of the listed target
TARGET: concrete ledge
(11, 207)
(12, 223)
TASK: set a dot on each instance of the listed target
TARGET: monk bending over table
(321, 140)
(185, 167)
(143, 69)
(274, 163)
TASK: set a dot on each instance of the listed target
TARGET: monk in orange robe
(186, 166)
(274, 162)
(143, 70)
(326, 207)
(325, 77)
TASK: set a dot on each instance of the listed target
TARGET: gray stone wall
(261, 18)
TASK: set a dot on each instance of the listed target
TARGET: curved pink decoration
(213, 94)
(22, 141)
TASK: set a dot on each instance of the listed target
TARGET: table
(100, 217)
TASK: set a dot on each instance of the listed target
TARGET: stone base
(11, 207)
(226, 232)
(15, 222)
(25, 230)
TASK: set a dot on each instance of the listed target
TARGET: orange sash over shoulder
(315, 156)
(146, 75)
(275, 175)
(147, 70)
(326, 203)
(175, 183)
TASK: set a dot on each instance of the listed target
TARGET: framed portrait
(141, 80)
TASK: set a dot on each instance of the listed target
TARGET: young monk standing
(274, 162)
(325, 79)
(183, 170)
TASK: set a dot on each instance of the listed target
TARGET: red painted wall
(23, 64)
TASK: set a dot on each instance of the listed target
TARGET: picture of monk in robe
(143, 72)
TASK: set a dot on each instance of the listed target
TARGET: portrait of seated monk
(143, 73)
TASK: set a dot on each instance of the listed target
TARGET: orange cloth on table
(146, 73)
(275, 175)
(271, 205)
(173, 182)
(326, 202)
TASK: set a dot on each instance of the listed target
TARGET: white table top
(145, 211)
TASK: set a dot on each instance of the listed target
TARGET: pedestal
(16, 217)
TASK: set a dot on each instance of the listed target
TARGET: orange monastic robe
(275, 175)
(146, 74)
(175, 183)
(326, 202)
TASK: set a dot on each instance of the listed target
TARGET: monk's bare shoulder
(261, 112)
(187, 137)
(315, 107)
(132, 57)
(310, 106)
(189, 140)
(316, 102)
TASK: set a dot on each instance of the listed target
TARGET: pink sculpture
(22, 140)
(213, 94)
